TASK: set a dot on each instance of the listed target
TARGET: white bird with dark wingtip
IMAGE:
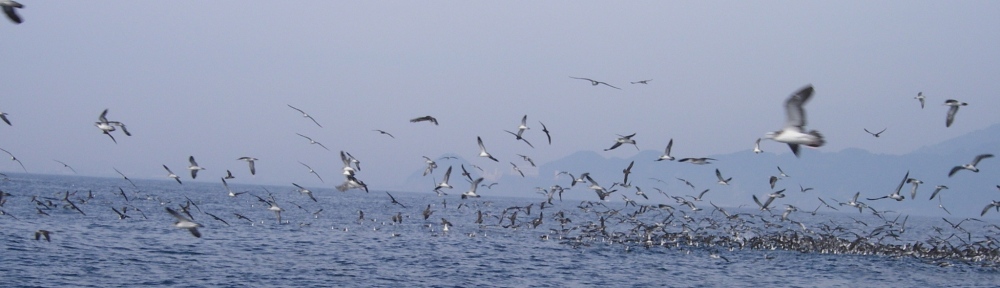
(623, 139)
(472, 190)
(194, 167)
(303, 190)
(756, 147)
(250, 160)
(722, 181)
(971, 166)
(895, 194)
(920, 97)
(697, 161)
(444, 182)
(311, 141)
(666, 152)
(794, 133)
(431, 165)
(171, 174)
(185, 223)
(937, 190)
(304, 114)
(952, 109)
(482, 150)
(595, 82)
(312, 171)
(348, 170)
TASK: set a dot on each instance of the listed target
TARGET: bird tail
(819, 139)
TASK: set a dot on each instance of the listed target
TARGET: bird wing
(796, 116)
(954, 170)
(951, 116)
(9, 10)
(981, 157)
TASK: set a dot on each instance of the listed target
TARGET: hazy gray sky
(211, 79)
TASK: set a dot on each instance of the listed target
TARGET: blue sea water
(333, 247)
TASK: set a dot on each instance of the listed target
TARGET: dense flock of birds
(687, 223)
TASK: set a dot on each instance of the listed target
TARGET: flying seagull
(306, 115)
(895, 194)
(229, 175)
(546, 130)
(517, 136)
(472, 190)
(624, 139)
(666, 152)
(875, 134)
(444, 182)
(194, 167)
(595, 82)
(794, 133)
(185, 223)
(698, 161)
(425, 118)
(303, 190)
(311, 141)
(756, 147)
(954, 104)
(3, 116)
(66, 165)
(8, 8)
(171, 174)
(123, 176)
(386, 133)
(723, 181)
(920, 97)
(250, 162)
(482, 150)
(971, 166)
(394, 200)
(312, 171)
(642, 81)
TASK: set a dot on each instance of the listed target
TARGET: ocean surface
(327, 243)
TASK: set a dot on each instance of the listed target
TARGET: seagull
(666, 152)
(875, 134)
(194, 167)
(41, 233)
(12, 158)
(66, 165)
(425, 118)
(937, 189)
(386, 133)
(991, 205)
(722, 181)
(623, 140)
(756, 147)
(970, 166)
(527, 159)
(517, 169)
(482, 150)
(642, 81)
(517, 136)
(444, 181)
(920, 97)
(524, 124)
(697, 161)
(170, 174)
(773, 180)
(895, 194)
(273, 206)
(105, 126)
(352, 183)
(472, 190)
(763, 207)
(626, 171)
(312, 171)
(3, 116)
(782, 173)
(700, 195)
(311, 141)
(304, 114)
(430, 166)
(394, 200)
(952, 110)
(8, 8)
(602, 193)
(546, 130)
(303, 190)
(794, 133)
(185, 223)
(915, 182)
(595, 82)
(230, 192)
(123, 176)
(249, 161)
(347, 159)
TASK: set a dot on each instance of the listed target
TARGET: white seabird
(304, 114)
(971, 166)
(185, 223)
(794, 133)
(666, 152)
(250, 162)
(194, 167)
(954, 104)
(472, 190)
(482, 150)
(170, 174)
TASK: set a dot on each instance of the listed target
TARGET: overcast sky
(212, 79)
